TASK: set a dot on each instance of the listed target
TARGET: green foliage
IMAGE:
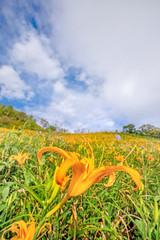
(149, 131)
(44, 123)
(10, 118)
(144, 130)
(130, 128)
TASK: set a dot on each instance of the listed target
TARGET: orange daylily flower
(20, 157)
(23, 232)
(84, 175)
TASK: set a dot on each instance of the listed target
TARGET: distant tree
(44, 123)
(31, 117)
(8, 110)
(146, 127)
(149, 130)
(22, 117)
(154, 133)
(130, 128)
(52, 128)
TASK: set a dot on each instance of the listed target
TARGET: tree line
(9, 118)
(144, 130)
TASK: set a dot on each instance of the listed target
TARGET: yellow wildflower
(20, 157)
(24, 232)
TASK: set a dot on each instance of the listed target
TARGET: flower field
(78, 186)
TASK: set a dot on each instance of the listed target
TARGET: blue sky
(82, 64)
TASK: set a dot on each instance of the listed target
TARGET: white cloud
(72, 110)
(33, 54)
(12, 86)
(116, 44)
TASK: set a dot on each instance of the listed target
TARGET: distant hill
(9, 118)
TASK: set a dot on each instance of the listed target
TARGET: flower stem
(57, 207)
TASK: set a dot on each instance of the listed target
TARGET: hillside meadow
(78, 186)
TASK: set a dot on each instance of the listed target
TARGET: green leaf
(32, 193)
(3, 206)
(1, 167)
(5, 192)
(141, 226)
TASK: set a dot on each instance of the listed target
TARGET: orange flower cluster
(24, 231)
(84, 174)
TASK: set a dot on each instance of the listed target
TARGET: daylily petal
(31, 231)
(44, 225)
(111, 180)
(78, 177)
(79, 185)
(64, 183)
(13, 230)
(78, 173)
(16, 238)
(52, 149)
(23, 228)
(136, 177)
(62, 171)
(21, 232)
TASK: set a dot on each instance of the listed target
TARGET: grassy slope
(9, 118)
(116, 212)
